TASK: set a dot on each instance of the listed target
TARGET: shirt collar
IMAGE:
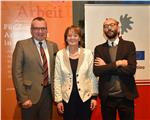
(116, 41)
(37, 42)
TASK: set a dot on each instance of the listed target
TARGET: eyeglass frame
(39, 28)
(111, 25)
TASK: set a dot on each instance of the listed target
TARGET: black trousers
(112, 105)
(75, 109)
(42, 110)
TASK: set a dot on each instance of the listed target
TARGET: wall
(16, 19)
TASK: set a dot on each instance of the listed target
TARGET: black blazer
(126, 50)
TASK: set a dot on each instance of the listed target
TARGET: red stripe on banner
(143, 82)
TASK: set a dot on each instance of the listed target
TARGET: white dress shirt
(44, 45)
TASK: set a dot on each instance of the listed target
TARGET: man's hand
(122, 63)
(27, 104)
(98, 62)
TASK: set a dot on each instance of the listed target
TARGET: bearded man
(115, 65)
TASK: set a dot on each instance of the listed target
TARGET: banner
(134, 26)
(15, 25)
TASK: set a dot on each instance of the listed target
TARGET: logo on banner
(140, 55)
(126, 22)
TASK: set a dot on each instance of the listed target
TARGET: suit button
(42, 84)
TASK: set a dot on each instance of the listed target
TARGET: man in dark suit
(33, 71)
(115, 65)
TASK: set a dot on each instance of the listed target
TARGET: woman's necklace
(74, 55)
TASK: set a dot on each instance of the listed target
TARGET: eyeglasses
(111, 25)
(39, 28)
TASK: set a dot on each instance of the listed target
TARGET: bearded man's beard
(111, 34)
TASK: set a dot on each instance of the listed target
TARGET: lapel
(81, 58)
(106, 52)
(67, 61)
(119, 50)
(50, 51)
(34, 52)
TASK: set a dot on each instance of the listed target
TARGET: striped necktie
(45, 65)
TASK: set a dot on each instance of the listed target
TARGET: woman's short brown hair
(77, 30)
